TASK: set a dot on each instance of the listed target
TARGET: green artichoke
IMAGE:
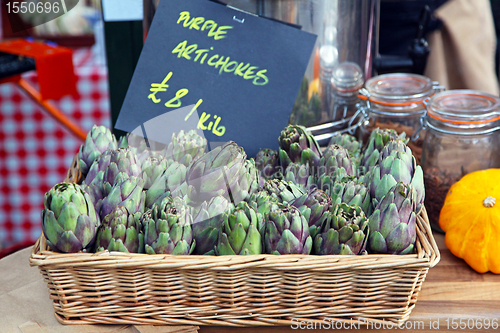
(207, 221)
(393, 223)
(95, 193)
(345, 230)
(152, 167)
(262, 201)
(297, 145)
(123, 142)
(249, 182)
(69, 220)
(301, 175)
(239, 233)
(111, 164)
(282, 190)
(313, 205)
(267, 162)
(222, 171)
(122, 161)
(120, 231)
(185, 147)
(376, 142)
(127, 192)
(95, 175)
(286, 231)
(336, 157)
(98, 140)
(136, 143)
(168, 181)
(352, 193)
(167, 228)
(397, 164)
(350, 143)
(334, 166)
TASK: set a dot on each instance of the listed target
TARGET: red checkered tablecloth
(36, 151)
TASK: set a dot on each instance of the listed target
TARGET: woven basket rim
(427, 255)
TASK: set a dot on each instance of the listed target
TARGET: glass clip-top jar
(396, 101)
(462, 135)
(345, 81)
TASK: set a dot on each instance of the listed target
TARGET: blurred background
(36, 150)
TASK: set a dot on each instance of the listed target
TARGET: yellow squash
(471, 219)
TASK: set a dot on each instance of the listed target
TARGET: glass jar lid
(347, 77)
(328, 56)
(464, 107)
(398, 89)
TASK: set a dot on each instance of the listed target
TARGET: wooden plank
(463, 291)
(427, 310)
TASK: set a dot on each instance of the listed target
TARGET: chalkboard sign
(230, 74)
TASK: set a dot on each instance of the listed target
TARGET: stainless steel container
(347, 31)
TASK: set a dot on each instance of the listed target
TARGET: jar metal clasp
(437, 87)
(362, 114)
(423, 122)
(364, 94)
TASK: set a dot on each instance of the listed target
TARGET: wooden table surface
(452, 295)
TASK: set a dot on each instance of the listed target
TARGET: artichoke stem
(489, 202)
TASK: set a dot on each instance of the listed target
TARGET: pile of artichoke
(348, 198)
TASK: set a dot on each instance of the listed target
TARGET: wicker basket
(122, 288)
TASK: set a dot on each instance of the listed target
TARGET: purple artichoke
(207, 221)
(120, 231)
(297, 145)
(98, 140)
(167, 228)
(313, 205)
(283, 191)
(267, 162)
(344, 231)
(69, 220)
(286, 231)
(127, 192)
(397, 164)
(393, 223)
